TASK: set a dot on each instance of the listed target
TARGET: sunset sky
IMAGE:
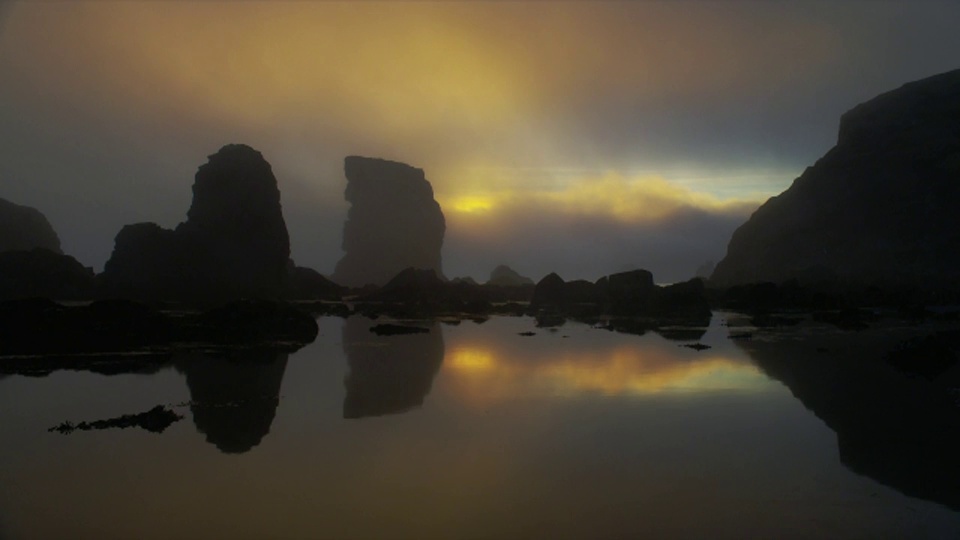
(581, 137)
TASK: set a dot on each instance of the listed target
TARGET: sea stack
(233, 245)
(879, 209)
(393, 223)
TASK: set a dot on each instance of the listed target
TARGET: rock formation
(234, 243)
(393, 222)
(505, 276)
(23, 228)
(40, 273)
(879, 209)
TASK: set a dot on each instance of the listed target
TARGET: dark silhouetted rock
(388, 375)
(233, 245)
(550, 291)
(234, 398)
(393, 222)
(412, 285)
(43, 273)
(23, 228)
(257, 321)
(505, 276)
(156, 420)
(628, 293)
(878, 209)
(397, 329)
(307, 284)
(686, 300)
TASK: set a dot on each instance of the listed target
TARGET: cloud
(109, 108)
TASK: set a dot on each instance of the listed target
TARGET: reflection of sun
(482, 376)
(470, 359)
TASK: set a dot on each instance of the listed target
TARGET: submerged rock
(393, 222)
(156, 420)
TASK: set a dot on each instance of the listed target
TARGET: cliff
(879, 209)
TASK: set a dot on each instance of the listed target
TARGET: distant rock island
(505, 276)
(234, 243)
(879, 209)
(393, 223)
(23, 228)
(31, 261)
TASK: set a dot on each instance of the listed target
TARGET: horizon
(557, 137)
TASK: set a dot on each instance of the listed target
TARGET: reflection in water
(901, 431)
(388, 374)
(234, 398)
(504, 367)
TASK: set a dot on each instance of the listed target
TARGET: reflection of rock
(234, 243)
(878, 209)
(393, 222)
(900, 430)
(40, 273)
(23, 228)
(388, 375)
(234, 398)
(505, 276)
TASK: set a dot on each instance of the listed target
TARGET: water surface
(468, 431)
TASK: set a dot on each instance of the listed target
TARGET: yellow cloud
(610, 195)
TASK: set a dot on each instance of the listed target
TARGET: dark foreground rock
(43, 273)
(156, 420)
(879, 209)
(397, 329)
(38, 336)
(234, 243)
(393, 223)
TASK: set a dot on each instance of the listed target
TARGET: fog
(516, 111)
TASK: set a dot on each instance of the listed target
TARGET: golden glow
(611, 195)
(470, 359)
(484, 375)
(470, 204)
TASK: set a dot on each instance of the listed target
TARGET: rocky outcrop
(393, 222)
(627, 294)
(43, 273)
(879, 209)
(234, 243)
(505, 276)
(23, 228)
(307, 284)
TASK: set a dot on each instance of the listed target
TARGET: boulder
(879, 209)
(393, 223)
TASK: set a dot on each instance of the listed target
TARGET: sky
(582, 137)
